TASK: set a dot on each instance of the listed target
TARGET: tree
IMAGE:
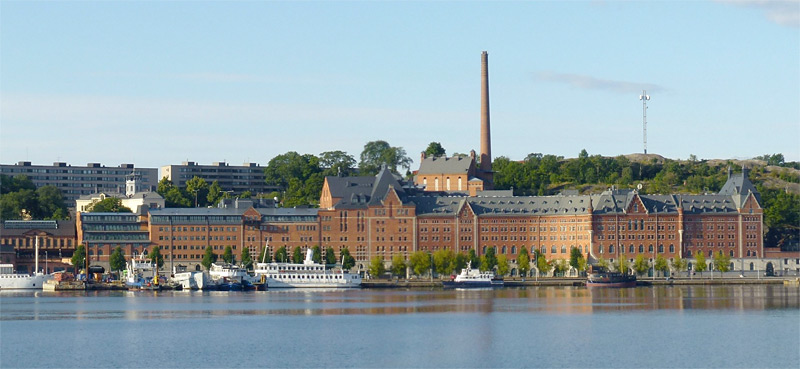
(473, 259)
(542, 264)
(109, 205)
(227, 255)
(488, 261)
(640, 265)
(175, 198)
(679, 264)
(337, 163)
(297, 255)
(299, 175)
(208, 258)
(443, 261)
(574, 257)
(502, 265)
(420, 262)
(117, 259)
(18, 203)
(601, 263)
(198, 187)
(435, 149)
(51, 203)
(214, 193)
(79, 258)
(282, 256)
(561, 266)
(348, 262)
(460, 262)
(376, 267)
(330, 256)
(700, 262)
(523, 261)
(247, 261)
(398, 265)
(661, 265)
(316, 254)
(722, 262)
(156, 257)
(377, 153)
(164, 185)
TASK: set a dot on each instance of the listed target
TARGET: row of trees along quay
(446, 262)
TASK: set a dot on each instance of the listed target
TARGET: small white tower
(133, 184)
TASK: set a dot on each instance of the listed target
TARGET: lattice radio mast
(644, 97)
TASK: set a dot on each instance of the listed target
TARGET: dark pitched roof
(437, 205)
(445, 165)
(530, 205)
(739, 186)
(708, 204)
(360, 192)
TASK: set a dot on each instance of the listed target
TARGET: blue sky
(157, 83)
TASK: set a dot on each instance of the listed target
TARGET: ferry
(135, 272)
(599, 277)
(306, 275)
(471, 278)
(9, 280)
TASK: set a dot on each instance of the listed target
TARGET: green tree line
(19, 199)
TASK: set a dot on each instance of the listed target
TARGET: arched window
(484, 250)
(610, 249)
(671, 248)
(641, 249)
(553, 249)
(710, 253)
(751, 266)
(660, 248)
(513, 250)
(504, 249)
(436, 184)
(544, 249)
(631, 249)
(563, 249)
(601, 248)
(650, 248)
(731, 254)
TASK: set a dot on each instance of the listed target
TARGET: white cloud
(785, 13)
(593, 83)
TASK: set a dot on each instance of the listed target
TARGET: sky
(161, 82)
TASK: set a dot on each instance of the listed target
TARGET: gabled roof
(444, 165)
(360, 192)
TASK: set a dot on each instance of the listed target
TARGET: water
(695, 327)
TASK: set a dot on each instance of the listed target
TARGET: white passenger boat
(9, 280)
(471, 278)
(306, 275)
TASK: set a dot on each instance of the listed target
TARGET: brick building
(57, 242)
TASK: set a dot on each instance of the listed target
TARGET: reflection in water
(128, 305)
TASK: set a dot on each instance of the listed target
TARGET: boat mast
(36, 265)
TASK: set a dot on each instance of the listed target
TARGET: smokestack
(486, 139)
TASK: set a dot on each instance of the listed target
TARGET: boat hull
(473, 284)
(23, 281)
(278, 283)
(622, 284)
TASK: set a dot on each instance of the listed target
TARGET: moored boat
(599, 277)
(472, 278)
(9, 280)
(306, 275)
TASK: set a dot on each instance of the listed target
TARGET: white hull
(280, 283)
(23, 281)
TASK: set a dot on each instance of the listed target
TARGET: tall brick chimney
(486, 139)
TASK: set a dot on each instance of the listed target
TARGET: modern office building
(76, 181)
(235, 178)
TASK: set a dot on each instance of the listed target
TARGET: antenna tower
(644, 97)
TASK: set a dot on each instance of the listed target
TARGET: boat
(135, 272)
(600, 277)
(9, 280)
(306, 275)
(472, 278)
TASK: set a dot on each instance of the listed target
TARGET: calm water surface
(697, 327)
